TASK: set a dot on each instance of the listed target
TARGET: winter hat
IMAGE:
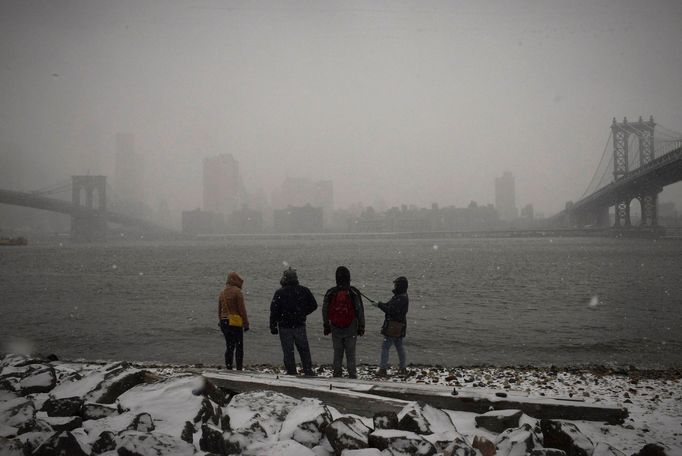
(289, 277)
(400, 285)
(342, 276)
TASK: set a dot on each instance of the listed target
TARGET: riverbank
(122, 408)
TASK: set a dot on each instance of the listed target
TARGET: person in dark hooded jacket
(344, 333)
(290, 306)
(396, 316)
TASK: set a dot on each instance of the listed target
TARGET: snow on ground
(653, 399)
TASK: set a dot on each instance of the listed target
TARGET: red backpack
(341, 310)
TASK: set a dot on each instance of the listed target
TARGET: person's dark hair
(400, 285)
(289, 277)
(342, 276)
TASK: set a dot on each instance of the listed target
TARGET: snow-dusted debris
(566, 436)
(211, 440)
(499, 420)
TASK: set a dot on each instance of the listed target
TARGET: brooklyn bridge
(640, 159)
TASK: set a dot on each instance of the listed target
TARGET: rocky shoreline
(48, 406)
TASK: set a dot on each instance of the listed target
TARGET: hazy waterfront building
(304, 219)
(505, 197)
(299, 191)
(129, 173)
(203, 222)
(223, 188)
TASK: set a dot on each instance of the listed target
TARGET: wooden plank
(365, 398)
(343, 399)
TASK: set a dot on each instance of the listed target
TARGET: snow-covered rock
(280, 448)
(106, 441)
(41, 380)
(17, 411)
(518, 442)
(306, 422)
(422, 418)
(442, 440)
(362, 452)
(458, 448)
(498, 420)
(11, 447)
(385, 420)
(547, 452)
(62, 423)
(566, 436)
(604, 449)
(134, 443)
(32, 440)
(211, 440)
(652, 449)
(102, 385)
(67, 406)
(170, 402)
(95, 411)
(347, 433)
(63, 443)
(401, 442)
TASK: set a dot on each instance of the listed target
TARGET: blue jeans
(388, 341)
(295, 336)
(234, 344)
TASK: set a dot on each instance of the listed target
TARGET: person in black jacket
(290, 306)
(395, 325)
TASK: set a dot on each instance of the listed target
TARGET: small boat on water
(13, 241)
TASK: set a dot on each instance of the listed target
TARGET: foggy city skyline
(400, 102)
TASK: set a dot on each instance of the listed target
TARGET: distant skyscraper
(223, 188)
(505, 197)
(129, 178)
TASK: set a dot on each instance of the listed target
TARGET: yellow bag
(235, 320)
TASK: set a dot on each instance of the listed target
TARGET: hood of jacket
(234, 280)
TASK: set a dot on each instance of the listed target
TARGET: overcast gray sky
(414, 102)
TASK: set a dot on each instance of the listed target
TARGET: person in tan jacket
(233, 319)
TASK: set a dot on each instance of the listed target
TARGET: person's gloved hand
(327, 330)
(361, 331)
(246, 328)
(274, 330)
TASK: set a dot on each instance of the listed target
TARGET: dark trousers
(344, 345)
(298, 337)
(234, 344)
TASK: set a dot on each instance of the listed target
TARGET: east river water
(562, 301)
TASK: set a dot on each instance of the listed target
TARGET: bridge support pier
(649, 204)
(89, 226)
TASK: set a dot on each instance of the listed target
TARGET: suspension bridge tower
(90, 224)
(648, 197)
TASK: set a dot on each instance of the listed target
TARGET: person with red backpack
(343, 316)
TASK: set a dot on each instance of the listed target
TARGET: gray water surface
(472, 301)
